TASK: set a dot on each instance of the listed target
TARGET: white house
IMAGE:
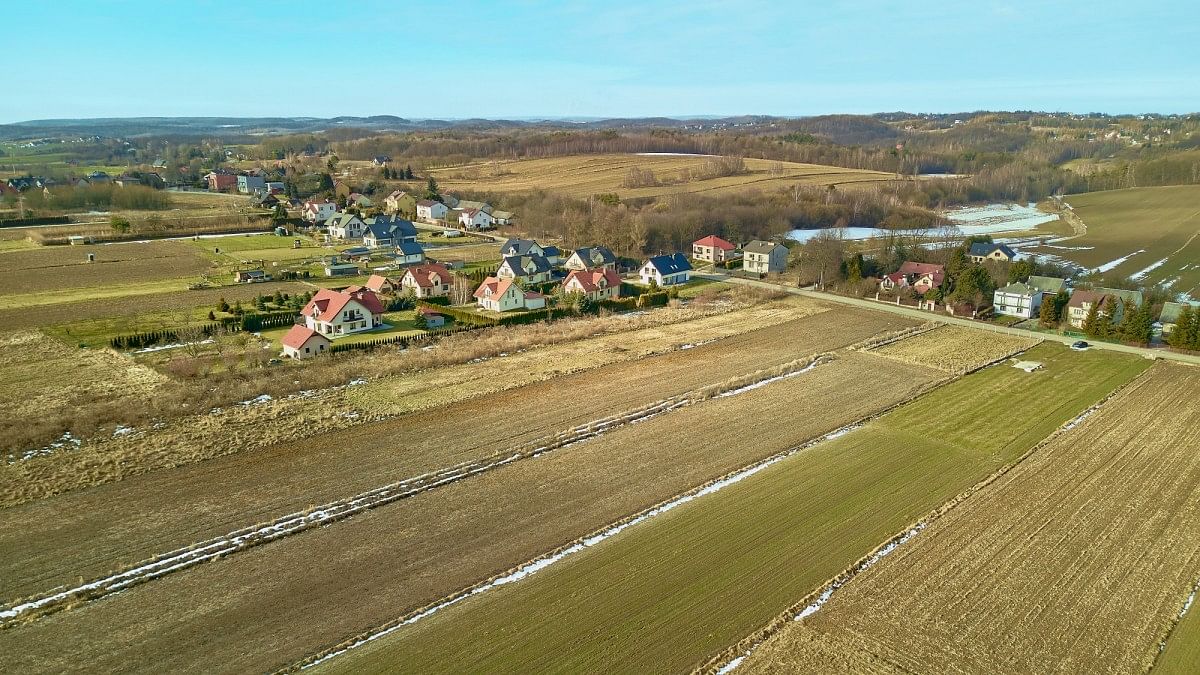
(319, 211)
(529, 269)
(503, 295)
(597, 284)
(1025, 299)
(346, 226)
(590, 258)
(429, 210)
(475, 219)
(333, 312)
(409, 253)
(666, 270)
(427, 281)
(502, 217)
(302, 342)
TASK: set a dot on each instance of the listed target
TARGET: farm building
(426, 281)
(529, 269)
(764, 257)
(981, 251)
(590, 258)
(220, 181)
(429, 210)
(302, 342)
(713, 249)
(333, 312)
(503, 295)
(1024, 299)
(666, 270)
(502, 217)
(596, 285)
(337, 269)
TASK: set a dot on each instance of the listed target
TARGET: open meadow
(670, 593)
(1151, 234)
(587, 175)
(1078, 560)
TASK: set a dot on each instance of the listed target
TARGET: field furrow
(1078, 560)
(276, 603)
(90, 533)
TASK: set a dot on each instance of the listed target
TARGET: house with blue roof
(666, 270)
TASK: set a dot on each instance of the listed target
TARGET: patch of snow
(1028, 366)
(176, 345)
(356, 382)
(732, 664)
(258, 400)
(769, 380)
(122, 430)
(1109, 266)
(879, 555)
(1141, 274)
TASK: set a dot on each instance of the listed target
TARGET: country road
(911, 312)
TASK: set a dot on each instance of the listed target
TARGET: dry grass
(398, 558)
(33, 272)
(955, 349)
(587, 175)
(1067, 563)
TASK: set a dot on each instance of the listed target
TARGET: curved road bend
(911, 312)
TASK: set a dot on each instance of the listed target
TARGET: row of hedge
(26, 222)
(401, 340)
(247, 322)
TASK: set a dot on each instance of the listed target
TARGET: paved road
(945, 318)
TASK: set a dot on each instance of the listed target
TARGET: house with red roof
(427, 281)
(335, 313)
(377, 283)
(713, 249)
(503, 295)
(921, 277)
(596, 284)
(302, 342)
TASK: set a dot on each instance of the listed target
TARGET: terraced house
(333, 312)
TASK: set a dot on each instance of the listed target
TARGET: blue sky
(609, 59)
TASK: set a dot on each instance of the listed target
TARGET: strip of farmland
(90, 533)
(276, 603)
(1077, 560)
(1182, 652)
(668, 594)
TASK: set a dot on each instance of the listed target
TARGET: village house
(388, 231)
(249, 184)
(1024, 299)
(250, 276)
(358, 200)
(346, 226)
(430, 211)
(521, 247)
(591, 258)
(400, 203)
(319, 211)
(1170, 314)
(596, 285)
(1081, 303)
(302, 342)
(475, 219)
(503, 295)
(341, 189)
(378, 283)
(921, 277)
(502, 217)
(528, 269)
(266, 200)
(220, 181)
(381, 160)
(469, 204)
(982, 251)
(666, 270)
(333, 312)
(764, 257)
(408, 253)
(427, 281)
(713, 249)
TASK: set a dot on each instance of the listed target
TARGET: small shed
(341, 270)
(432, 318)
(250, 276)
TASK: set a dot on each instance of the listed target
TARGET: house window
(306, 350)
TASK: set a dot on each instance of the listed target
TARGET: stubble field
(1077, 560)
(955, 349)
(587, 175)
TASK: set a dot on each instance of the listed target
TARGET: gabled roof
(342, 219)
(670, 264)
(595, 256)
(427, 203)
(1080, 298)
(467, 204)
(376, 282)
(519, 263)
(713, 241)
(1134, 297)
(518, 246)
(493, 287)
(1170, 311)
(410, 248)
(593, 280)
(764, 247)
(982, 248)
(298, 335)
(502, 215)
(550, 251)
(1018, 288)
(397, 194)
(329, 303)
(1047, 284)
(423, 275)
(387, 227)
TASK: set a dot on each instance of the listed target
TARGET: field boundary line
(37, 606)
(727, 659)
(1162, 643)
(581, 543)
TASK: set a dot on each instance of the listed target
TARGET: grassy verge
(667, 594)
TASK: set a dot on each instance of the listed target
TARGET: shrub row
(402, 340)
(657, 299)
(25, 222)
(246, 322)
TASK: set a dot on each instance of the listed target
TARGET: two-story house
(319, 211)
(427, 281)
(346, 226)
(591, 258)
(333, 312)
(713, 249)
(430, 211)
(764, 257)
(503, 295)
(666, 270)
(1024, 299)
(400, 203)
(384, 230)
(528, 269)
(597, 284)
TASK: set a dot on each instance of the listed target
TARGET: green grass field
(1162, 222)
(1183, 648)
(669, 593)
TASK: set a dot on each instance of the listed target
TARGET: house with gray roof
(1024, 299)
(346, 226)
(590, 258)
(981, 251)
(384, 230)
(1170, 314)
(528, 269)
(764, 257)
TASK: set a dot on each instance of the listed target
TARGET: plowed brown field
(1077, 560)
